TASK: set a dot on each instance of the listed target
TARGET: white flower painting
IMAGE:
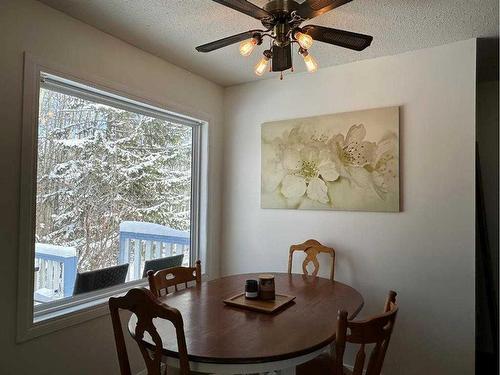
(345, 161)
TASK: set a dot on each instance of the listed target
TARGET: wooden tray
(268, 307)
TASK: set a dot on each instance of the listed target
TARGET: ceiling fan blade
(313, 8)
(246, 7)
(282, 58)
(342, 38)
(225, 41)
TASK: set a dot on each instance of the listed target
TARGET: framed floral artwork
(343, 161)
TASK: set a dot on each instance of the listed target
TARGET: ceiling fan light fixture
(261, 66)
(304, 40)
(309, 60)
(282, 20)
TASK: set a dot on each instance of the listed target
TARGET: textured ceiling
(171, 29)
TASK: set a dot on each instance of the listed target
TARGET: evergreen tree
(99, 166)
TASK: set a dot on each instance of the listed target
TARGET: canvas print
(344, 161)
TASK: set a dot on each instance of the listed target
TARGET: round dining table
(223, 339)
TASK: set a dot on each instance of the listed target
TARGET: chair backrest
(312, 248)
(146, 307)
(99, 279)
(376, 330)
(160, 281)
(162, 263)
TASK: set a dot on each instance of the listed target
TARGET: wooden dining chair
(160, 281)
(312, 248)
(146, 307)
(376, 330)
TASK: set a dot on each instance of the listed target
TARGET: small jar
(266, 287)
(251, 289)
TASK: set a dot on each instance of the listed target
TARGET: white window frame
(33, 322)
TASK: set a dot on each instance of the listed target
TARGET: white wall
(426, 252)
(27, 25)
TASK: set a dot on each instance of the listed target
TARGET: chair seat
(323, 364)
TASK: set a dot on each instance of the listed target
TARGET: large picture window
(116, 192)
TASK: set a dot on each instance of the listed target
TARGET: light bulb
(261, 66)
(304, 40)
(247, 46)
(310, 62)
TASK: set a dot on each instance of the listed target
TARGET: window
(116, 186)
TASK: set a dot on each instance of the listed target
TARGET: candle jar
(266, 287)
(251, 289)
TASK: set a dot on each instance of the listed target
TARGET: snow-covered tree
(99, 166)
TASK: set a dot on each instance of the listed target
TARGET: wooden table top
(218, 333)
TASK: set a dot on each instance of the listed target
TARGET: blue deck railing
(55, 271)
(56, 266)
(141, 241)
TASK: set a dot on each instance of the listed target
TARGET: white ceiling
(171, 29)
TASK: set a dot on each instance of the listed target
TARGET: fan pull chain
(281, 75)
(292, 57)
(270, 49)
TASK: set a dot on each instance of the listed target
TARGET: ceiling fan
(281, 20)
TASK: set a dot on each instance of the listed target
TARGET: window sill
(64, 314)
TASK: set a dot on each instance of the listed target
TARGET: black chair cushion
(99, 279)
(162, 263)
